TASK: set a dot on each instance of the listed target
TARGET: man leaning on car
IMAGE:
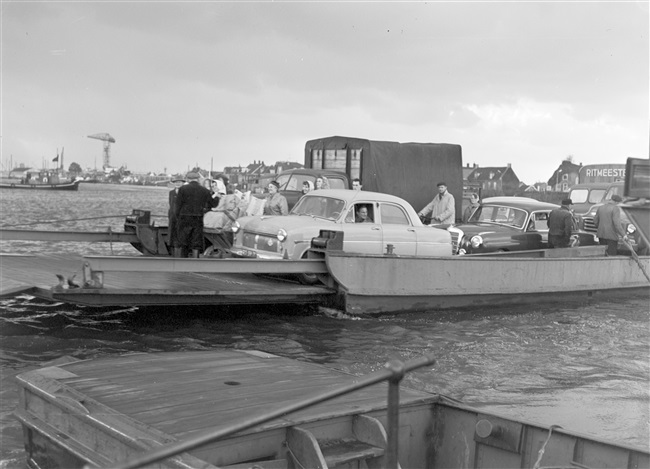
(560, 225)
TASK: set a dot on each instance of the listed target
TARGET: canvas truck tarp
(408, 170)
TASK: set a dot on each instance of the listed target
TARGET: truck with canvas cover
(407, 170)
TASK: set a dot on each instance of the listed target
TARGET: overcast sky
(225, 83)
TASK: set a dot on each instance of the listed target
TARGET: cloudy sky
(225, 83)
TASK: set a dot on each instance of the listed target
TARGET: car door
(365, 238)
(397, 229)
(540, 219)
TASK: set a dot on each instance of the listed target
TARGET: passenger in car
(307, 186)
(362, 215)
(322, 183)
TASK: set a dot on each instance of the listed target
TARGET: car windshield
(614, 190)
(319, 206)
(579, 196)
(499, 214)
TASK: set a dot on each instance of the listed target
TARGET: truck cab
(585, 196)
(586, 220)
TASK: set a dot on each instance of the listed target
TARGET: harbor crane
(107, 139)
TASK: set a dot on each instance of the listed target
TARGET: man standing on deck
(442, 207)
(560, 225)
(192, 201)
(608, 221)
(171, 215)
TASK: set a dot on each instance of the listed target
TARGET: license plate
(244, 253)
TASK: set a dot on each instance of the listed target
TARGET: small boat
(41, 186)
(250, 409)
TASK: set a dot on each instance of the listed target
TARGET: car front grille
(261, 242)
(456, 236)
(589, 225)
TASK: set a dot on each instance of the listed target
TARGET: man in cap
(442, 207)
(192, 201)
(608, 221)
(560, 225)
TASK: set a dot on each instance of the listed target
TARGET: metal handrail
(393, 373)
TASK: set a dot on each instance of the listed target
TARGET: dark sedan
(508, 224)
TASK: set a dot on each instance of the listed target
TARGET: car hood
(271, 224)
(471, 229)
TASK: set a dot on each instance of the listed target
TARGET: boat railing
(393, 372)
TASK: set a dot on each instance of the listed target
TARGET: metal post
(397, 369)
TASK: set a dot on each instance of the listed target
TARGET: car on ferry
(503, 224)
(392, 226)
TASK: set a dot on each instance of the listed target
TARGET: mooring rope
(45, 222)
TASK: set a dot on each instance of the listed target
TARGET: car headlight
(630, 228)
(476, 241)
(235, 227)
(282, 235)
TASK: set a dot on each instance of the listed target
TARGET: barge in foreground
(248, 409)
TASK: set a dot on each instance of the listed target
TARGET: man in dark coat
(192, 201)
(608, 221)
(171, 215)
(560, 225)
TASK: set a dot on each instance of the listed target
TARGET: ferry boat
(250, 409)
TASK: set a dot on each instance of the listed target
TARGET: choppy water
(585, 367)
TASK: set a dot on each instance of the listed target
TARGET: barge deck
(157, 281)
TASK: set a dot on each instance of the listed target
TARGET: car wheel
(212, 251)
(308, 279)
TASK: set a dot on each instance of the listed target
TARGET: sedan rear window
(498, 214)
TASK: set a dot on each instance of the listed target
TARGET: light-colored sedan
(391, 226)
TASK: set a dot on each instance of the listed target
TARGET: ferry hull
(390, 284)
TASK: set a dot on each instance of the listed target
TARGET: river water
(584, 366)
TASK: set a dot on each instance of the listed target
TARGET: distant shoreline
(86, 186)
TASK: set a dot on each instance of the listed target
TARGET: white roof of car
(350, 195)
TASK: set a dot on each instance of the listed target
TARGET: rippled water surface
(584, 366)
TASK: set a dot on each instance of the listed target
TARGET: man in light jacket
(442, 207)
(608, 221)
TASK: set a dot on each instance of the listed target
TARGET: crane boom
(107, 139)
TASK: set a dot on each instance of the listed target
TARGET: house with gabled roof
(565, 176)
(495, 180)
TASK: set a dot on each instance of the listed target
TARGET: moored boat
(43, 186)
(244, 409)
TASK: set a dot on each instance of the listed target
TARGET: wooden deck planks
(187, 392)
